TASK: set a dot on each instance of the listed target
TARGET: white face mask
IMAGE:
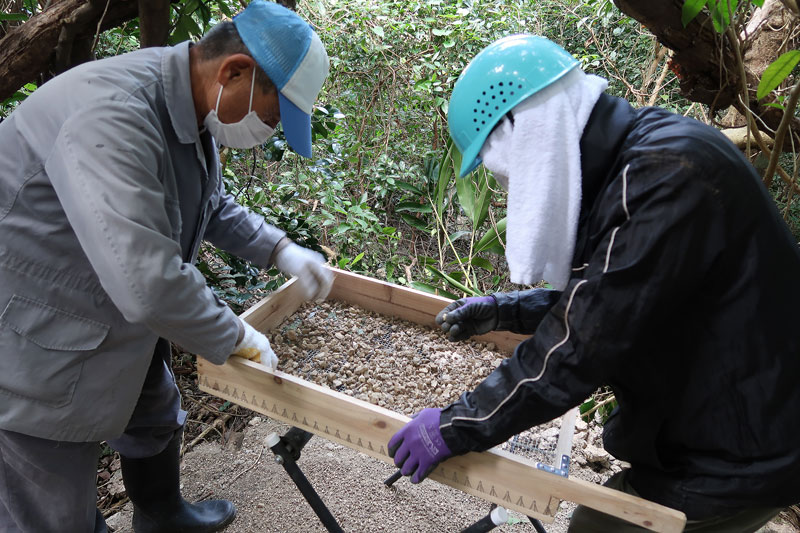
(247, 133)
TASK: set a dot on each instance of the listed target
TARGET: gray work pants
(586, 520)
(50, 486)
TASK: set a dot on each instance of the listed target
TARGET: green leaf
(466, 190)
(341, 228)
(425, 260)
(440, 33)
(357, 258)
(485, 185)
(458, 234)
(13, 16)
(691, 8)
(457, 275)
(482, 263)
(414, 222)
(721, 12)
(491, 241)
(224, 9)
(426, 287)
(16, 97)
(446, 166)
(451, 281)
(378, 30)
(408, 187)
(413, 207)
(777, 72)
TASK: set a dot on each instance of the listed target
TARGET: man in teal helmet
(109, 183)
(674, 283)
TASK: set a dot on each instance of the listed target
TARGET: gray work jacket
(100, 170)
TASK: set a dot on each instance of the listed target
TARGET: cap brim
(468, 166)
(296, 126)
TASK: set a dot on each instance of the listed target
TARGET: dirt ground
(350, 483)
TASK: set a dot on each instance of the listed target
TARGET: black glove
(466, 317)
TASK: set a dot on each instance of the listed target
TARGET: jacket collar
(178, 92)
(608, 126)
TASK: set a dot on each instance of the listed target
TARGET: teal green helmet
(501, 76)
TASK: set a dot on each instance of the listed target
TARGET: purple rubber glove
(466, 317)
(418, 447)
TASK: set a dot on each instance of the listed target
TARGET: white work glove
(255, 346)
(309, 266)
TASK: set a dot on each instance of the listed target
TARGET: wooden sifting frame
(497, 476)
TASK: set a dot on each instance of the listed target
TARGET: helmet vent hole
(519, 86)
(500, 84)
(483, 122)
(497, 108)
(504, 100)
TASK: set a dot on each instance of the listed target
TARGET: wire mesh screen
(337, 339)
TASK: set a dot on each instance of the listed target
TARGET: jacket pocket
(42, 350)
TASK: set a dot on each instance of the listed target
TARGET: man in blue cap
(674, 282)
(109, 181)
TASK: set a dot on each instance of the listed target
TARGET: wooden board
(495, 475)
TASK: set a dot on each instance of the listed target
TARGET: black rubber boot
(153, 486)
(100, 522)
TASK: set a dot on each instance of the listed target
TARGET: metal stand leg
(537, 525)
(497, 517)
(287, 451)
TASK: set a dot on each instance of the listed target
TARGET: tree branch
(27, 50)
(788, 114)
(89, 11)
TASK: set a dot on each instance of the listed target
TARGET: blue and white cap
(292, 56)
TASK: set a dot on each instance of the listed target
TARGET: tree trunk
(696, 58)
(153, 22)
(705, 62)
(27, 50)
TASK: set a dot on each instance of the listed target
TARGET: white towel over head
(537, 159)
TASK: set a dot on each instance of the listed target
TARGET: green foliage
(599, 406)
(12, 101)
(722, 11)
(777, 72)
(380, 194)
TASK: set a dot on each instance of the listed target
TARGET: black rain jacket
(685, 300)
